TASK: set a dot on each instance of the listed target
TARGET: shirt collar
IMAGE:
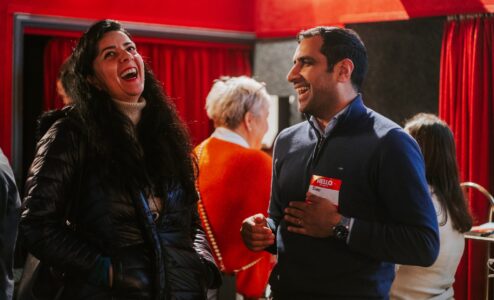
(332, 123)
(228, 135)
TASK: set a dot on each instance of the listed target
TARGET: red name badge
(325, 187)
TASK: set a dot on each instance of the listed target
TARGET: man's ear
(344, 70)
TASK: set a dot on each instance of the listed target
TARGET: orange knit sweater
(234, 183)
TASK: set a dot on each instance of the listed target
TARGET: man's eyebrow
(300, 58)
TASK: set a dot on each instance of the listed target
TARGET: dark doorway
(32, 102)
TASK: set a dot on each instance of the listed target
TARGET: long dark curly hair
(146, 158)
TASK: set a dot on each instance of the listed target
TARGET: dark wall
(404, 60)
(403, 76)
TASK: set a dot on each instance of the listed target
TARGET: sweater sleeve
(49, 188)
(410, 234)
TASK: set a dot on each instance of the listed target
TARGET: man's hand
(315, 217)
(256, 234)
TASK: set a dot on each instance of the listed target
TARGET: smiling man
(349, 196)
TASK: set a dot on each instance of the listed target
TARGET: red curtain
(466, 103)
(186, 69)
(56, 51)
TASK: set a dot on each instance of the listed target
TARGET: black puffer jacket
(165, 259)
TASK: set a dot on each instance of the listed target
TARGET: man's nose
(293, 74)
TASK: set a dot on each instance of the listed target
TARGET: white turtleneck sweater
(132, 110)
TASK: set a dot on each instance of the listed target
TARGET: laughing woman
(118, 169)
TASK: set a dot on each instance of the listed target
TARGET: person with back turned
(230, 163)
(438, 146)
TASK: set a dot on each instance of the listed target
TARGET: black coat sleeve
(50, 187)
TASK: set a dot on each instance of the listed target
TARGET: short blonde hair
(231, 98)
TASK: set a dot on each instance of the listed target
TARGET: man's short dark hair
(67, 77)
(340, 43)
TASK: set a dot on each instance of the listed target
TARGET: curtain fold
(56, 52)
(466, 103)
(186, 70)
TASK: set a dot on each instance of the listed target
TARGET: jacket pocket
(186, 271)
(133, 272)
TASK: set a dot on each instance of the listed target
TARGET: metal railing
(490, 260)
